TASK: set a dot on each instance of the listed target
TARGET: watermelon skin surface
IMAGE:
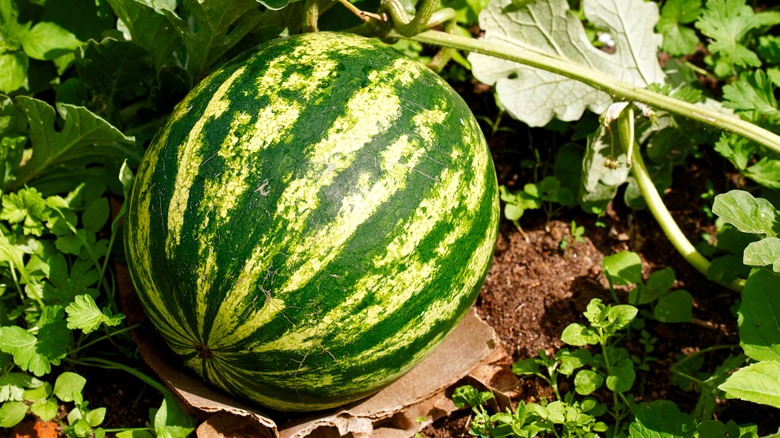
(314, 218)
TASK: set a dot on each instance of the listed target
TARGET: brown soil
(535, 289)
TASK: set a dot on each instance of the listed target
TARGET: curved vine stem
(656, 204)
(407, 26)
(619, 90)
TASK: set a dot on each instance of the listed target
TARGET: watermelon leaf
(117, 71)
(84, 138)
(210, 29)
(747, 213)
(547, 26)
(149, 27)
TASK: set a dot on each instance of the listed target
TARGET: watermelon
(313, 219)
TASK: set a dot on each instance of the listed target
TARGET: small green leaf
(39, 393)
(678, 39)
(765, 252)
(14, 67)
(126, 178)
(26, 349)
(578, 335)
(84, 314)
(642, 294)
(759, 327)
(587, 381)
(12, 386)
(572, 360)
(713, 428)
(96, 215)
(26, 207)
(745, 212)
(73, 243)
(752, 96)
(80, 427)
(526, 366)
(621, 376)
(726, 23)
(742, 430)
(758, 383)
(46, 409)
(661, 281)
(677, 306)
(12, 413)
(171, 421)
(95, 417)
(736, 149)
(467, 395)
(661, 419)
(623, 268)
(67, 384)
(620, 316)
(53, 335)
(513, 212)
(766, 171)
(47, 41)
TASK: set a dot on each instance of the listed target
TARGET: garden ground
(535, 288)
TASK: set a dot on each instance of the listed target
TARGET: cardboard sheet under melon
(470, 354)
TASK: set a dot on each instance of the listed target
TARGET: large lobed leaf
(206, 29)
(148, 26)
(81, 137)
(213, 27)
(548, 26)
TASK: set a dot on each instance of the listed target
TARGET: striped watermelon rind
(313, 219)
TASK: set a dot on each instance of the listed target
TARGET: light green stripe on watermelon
(390, 289)
(393, 291)
(190, 161)
(179, 334)
(397, 288)
(248, 135)
(335, 153)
